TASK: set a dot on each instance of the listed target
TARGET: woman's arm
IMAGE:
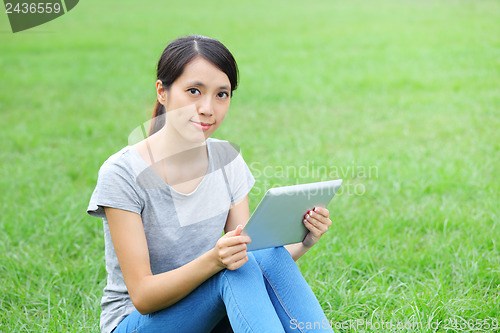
(150, 292)
(238, 215)
(296, 250)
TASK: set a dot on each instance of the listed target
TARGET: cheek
(223, 115)
(177, 98)
(179, 113)
(220, 118)
(224, 108)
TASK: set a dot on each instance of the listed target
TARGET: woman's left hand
(317, 221)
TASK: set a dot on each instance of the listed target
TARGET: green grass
(399, 98)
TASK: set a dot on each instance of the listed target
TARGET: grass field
(401, 99)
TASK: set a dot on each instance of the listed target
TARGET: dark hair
(178, 54)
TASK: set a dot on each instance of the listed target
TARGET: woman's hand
(231, 249)
(317, 221)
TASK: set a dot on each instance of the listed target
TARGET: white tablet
(277, 220)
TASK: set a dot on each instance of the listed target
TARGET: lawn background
(399, 98)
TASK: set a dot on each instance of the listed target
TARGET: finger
(312, 236)
(309, 226)
(229, 259)
(226, 250)
(318, 221)
(239, 255)
(317, 224)
(233, 254)
(308, 221)
(322, 211)
(312, 228)
(232, 250)
(237, 264)
(238, 230)
(315, 214)
(235, 240)
(323, 219)
(235, 232)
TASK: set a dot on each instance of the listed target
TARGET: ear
(161, 94)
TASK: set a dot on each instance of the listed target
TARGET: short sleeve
(115, 188)
(240, 179)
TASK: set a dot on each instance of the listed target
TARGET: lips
(201, 125)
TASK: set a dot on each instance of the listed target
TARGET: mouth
(201, 125)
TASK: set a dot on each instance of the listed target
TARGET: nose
(205, 107)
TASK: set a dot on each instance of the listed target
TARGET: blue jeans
(266, 294)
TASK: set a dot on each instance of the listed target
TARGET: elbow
(140, 304)
(143, 311)
(140, 295)
(146, 299)
(145, 304)
(139, 298)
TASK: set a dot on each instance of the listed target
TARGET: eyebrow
(200, 84)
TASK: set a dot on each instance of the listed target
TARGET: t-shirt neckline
(165, 184)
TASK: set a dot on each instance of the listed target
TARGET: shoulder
(118, 163)
(116, 186)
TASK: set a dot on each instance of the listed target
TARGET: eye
(194, 91)
(223, 94)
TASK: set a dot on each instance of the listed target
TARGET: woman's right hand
(231, 249)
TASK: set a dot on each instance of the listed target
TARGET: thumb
(237, 231)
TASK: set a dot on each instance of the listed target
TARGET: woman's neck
(167, 144)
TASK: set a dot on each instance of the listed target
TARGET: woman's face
(197, 101)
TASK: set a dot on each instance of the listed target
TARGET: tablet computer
(277, 220)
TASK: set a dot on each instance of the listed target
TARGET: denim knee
(249, 266)
(279, 254)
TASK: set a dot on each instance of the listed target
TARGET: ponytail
(158, 119)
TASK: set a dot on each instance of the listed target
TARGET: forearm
(296, 250)
(156, 292)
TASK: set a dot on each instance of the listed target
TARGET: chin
(197, 138)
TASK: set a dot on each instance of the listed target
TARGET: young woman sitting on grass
(165, 202)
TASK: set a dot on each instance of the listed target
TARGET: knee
(250, 262)
(249, 267)
(279, 254)
(279, 251)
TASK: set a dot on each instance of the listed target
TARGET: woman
(165, 202)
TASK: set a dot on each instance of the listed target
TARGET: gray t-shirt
(179, 227)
